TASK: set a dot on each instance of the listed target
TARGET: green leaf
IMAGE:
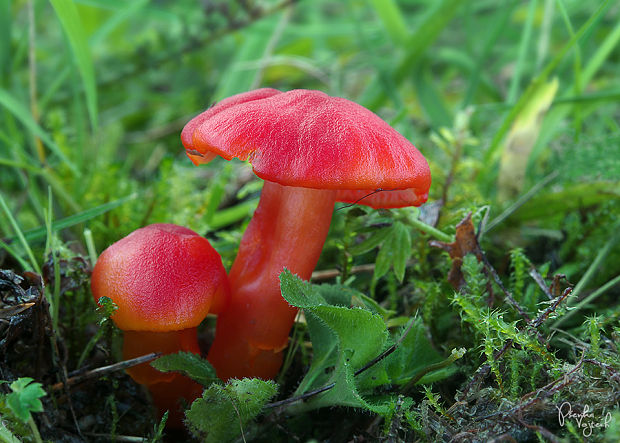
(521, 138)
(25, 398)
(344, 338)
(344, 342)
(69, 18)
(413, 354)
(377, 237)
(224, 412)
(395, 252)
(192, 365)
(7, 436)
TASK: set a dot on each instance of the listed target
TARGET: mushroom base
(288, 230)
(167, 388)
(138, 343)
(174, 396)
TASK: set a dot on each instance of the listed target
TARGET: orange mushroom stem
(288, 230)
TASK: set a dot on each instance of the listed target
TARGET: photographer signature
(586, 420)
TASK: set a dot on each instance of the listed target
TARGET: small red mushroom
(312, 150)
(164, 279)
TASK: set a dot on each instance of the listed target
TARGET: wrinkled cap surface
(309, 139)
(162, 277)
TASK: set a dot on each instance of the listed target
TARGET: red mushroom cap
(162, 277)
(308, 139)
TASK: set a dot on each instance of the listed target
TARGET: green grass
(94, 94)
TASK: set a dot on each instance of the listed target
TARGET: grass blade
(426, 33)
(23, 115)
(237, 77)
(431, 101)
(524, 45)
(587, 276)
(551, 123)
(23, 263)
(69, 18)
(492, 154)
(5, 40)
(53, 298)
(20, 235)
(500, 19)
(392, 19)
(67, 222)
(120, 16)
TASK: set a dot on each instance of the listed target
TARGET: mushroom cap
(306, 138)
(162, 277)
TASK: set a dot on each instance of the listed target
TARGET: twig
(542, 430)
(105, 370)
(332, 273)
(63, 375)
(552, 308)
(506, 292)
(589, 299)
(509, 296)
(388, 351)
(110, 437)
(614, 373)
(301, 397)
(540, 281)
(484, 370)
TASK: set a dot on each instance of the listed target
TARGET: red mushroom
(164, 279)
(312, 150)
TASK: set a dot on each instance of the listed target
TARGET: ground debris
(22, 310)
(465, 242)
(73, 272)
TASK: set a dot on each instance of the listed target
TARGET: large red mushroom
(312, 150)
(164, 279)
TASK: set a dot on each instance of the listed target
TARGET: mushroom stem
(288, 230)
(166, 388)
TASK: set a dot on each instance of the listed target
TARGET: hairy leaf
(223, 412)
(345, 341)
